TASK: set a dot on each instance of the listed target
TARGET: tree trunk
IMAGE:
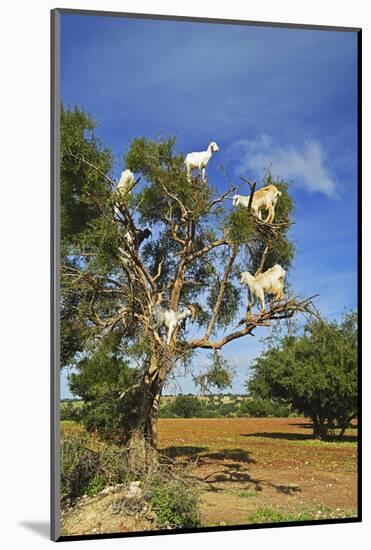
(319, 427)
(143, 436)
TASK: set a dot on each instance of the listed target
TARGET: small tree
(101, 376)
(316, 372)
(200, 245)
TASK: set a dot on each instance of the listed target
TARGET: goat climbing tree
(198, 248)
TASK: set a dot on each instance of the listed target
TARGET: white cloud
(305, 166)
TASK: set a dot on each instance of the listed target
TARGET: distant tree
(316, 372)
(186, 406)
(200, 244)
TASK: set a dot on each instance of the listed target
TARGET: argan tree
(198, 247)
(315, 372)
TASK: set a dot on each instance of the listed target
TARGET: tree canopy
(198, 248)
(316, 372)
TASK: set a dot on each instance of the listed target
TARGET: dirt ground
(260, 470)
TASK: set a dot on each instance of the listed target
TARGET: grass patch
(270, 515)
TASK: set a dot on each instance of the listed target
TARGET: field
(259, 470)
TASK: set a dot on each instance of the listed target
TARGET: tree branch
(221, 198)
(207, 249)
(223, 283)
(278, 311)
(83, 159)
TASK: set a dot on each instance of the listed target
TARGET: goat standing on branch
(264, 199)
(169, 318)
(199, 160)
(123, 189)
(271, 281)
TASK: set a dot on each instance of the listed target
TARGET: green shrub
(176, 504)
(69, 411)
(260, 408)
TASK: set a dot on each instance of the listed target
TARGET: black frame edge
(359, 263)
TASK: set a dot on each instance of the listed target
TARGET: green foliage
(219, 374)
(260, 408)
(321, 511)
(316, 372)
(69, 411)
(101, 378)
(240, 226)
(82, 186)
(186, 406)
(176, 505)
(268, 515)
(166, 180)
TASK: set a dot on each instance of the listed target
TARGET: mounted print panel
(206, 191)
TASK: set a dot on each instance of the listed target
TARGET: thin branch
(83, 159)
(223, 283)
(159, 270)
(185, 212)
(207, 248)
(222, 197)
(262, 261)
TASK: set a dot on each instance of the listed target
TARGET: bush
(69, 411)
(176, 504)
(260, 408)
(85, 470)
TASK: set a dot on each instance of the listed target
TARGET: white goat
(199, 160)
(264, 199)
(271, 281)
(126, 183)
(122, 191)
(168, 318)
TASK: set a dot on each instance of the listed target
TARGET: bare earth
(250, 466)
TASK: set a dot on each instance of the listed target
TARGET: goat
(271, 281)
(138, 238)
(264, 199)
(122, 192)
(199, 160)
(169, 318)
(126, 183)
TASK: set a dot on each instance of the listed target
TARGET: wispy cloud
(306, 166)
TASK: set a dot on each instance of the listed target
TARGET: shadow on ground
(186, 451)
(234, 471)
(300, 437)
(202, 454)
(237, 473)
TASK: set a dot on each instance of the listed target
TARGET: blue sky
(270, 97)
